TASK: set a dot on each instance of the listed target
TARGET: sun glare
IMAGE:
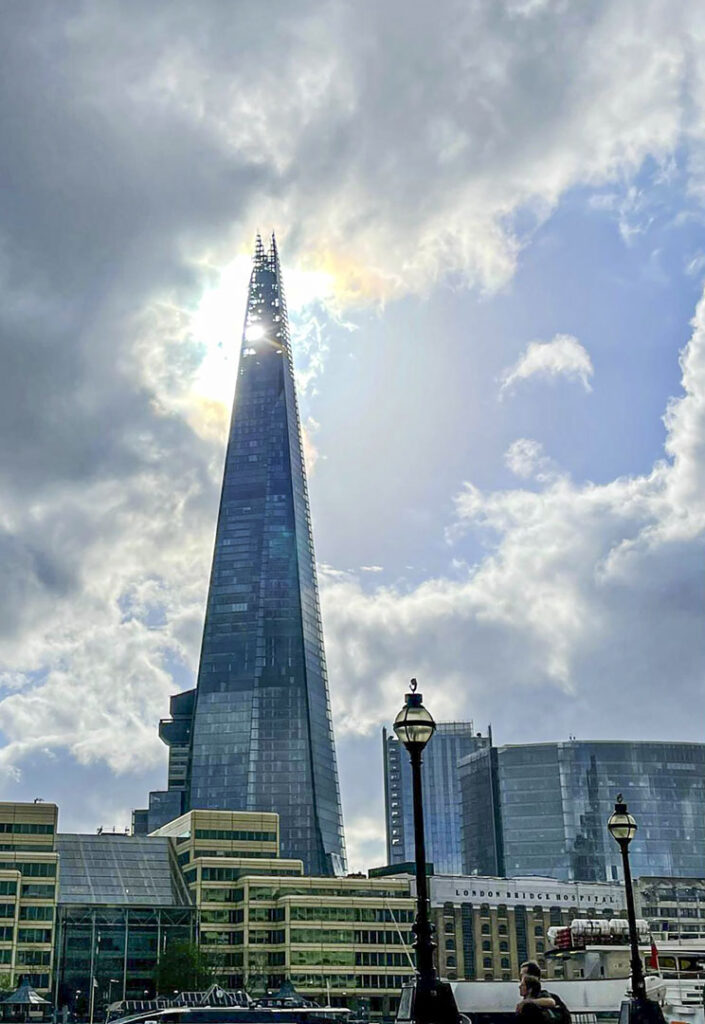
(217, 322)
(254, 332)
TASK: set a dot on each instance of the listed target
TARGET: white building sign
(534, 892)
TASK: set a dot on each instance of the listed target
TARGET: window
(485, 929)
(486, 946)
(504, 947)
(34, 935)
(37, 914)
(487, 963)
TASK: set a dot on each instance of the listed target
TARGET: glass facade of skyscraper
(553, 800)
(260, 737)
(451, 742)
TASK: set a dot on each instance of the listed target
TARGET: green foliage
(185, 967)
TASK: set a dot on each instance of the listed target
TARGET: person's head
(529, 986)
(531, 968)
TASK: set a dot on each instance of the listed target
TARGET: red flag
(653, 958)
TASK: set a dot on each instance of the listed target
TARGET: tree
(185, 967)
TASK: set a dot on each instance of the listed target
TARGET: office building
(542, 808)
(486, 927)
(674, 907)
(256, 735)
(122, 902)
(344, 939)
(28, 883)
(441, 792)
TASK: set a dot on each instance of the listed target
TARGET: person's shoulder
(530, 1011)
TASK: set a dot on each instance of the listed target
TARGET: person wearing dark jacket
(557, 1011)
(531, 1008)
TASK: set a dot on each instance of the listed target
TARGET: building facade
(545, 807)
(344, 939)
(28, 893)
(256, 734)
(122, 902)
(674, 907)
(441, 791)
(486, 927)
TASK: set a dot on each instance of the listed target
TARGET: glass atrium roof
(119, 870)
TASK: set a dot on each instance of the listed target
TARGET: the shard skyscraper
(256, 732)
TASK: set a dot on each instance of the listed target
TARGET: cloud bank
(587, 602)
(393, 146)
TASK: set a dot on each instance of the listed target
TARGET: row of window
(391, 982)
(362, 914)
(30, 913)
(26, 828)
(328, 936)
(209, 874)
(34, 935)
(34, 869)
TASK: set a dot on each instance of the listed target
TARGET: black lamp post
(622, 828)
(414, 727)
(640, 1010)
(433, 1000)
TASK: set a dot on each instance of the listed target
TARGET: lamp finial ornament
(412, 685)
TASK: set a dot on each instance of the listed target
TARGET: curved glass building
(542, 808)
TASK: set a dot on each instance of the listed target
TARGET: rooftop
(119, 870)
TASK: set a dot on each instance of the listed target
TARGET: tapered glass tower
(257, 733)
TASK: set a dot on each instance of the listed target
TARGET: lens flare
(254, 332)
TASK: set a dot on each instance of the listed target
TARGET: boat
(681, 965)
(223, 1006)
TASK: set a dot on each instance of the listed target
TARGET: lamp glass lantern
(414, 725)
(621, 824)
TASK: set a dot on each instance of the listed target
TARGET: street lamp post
(622, 827)
(414, 727)
(433, 1000)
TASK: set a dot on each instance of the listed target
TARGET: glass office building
(547, 806)
(256, 734)
(441, 792)
(122, 901)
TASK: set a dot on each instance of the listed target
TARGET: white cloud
(562, 356)
(383, 175)
(365, 840)
(526, 458)
(587, 607)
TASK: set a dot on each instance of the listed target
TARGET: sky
(490, 217)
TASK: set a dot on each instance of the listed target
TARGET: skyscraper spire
(256, 733)
(273, 253)
(260, 258)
